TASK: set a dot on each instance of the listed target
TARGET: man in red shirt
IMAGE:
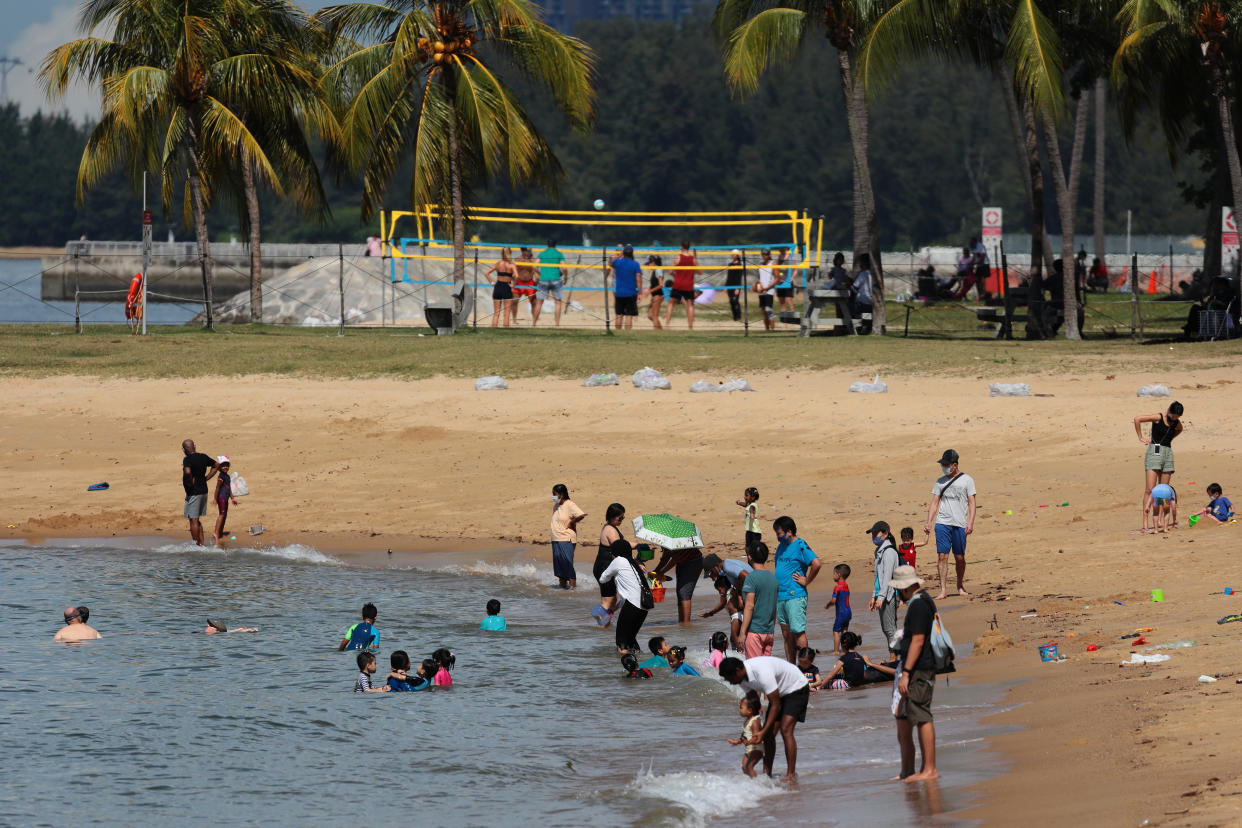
(683, 286)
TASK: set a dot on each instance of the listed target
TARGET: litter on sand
(1207, 679)
(873, 387)
(97, 487)
(1139, 658)
(597, 380)
(703, 386)
(649, 379)
(1154, 391)
(490, 384)
(258, 529)
(1017, 389)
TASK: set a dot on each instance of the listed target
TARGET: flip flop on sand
(1229, 618)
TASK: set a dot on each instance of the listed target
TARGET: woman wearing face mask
(565, 519)
(1158, 461)
(952, 511)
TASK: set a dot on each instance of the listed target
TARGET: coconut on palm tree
(434, 78)
(176, 93)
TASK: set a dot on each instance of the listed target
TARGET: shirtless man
(76, 629)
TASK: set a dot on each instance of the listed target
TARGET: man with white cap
(916, 679)
(194, 477)
(733, 278)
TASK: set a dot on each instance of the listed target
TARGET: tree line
(895, 119)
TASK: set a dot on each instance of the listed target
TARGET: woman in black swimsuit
(1158, 460)
(503, 303)
(655, 290)
(608, 535)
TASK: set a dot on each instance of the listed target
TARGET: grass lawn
(956, 347)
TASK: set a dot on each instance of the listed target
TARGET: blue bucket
(1048, 652)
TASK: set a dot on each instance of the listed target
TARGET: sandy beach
(365, 466)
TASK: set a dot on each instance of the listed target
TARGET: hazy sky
(29, 30)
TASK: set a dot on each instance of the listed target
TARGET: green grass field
(954, 346)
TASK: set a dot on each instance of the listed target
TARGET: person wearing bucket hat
(916, 677)
(883, 596)
(952, 512)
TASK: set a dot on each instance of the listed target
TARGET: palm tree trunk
(200, 218)
(1231, 141)
(1065, 209)
(256, 251)
(866, 223)
(459, 218)
(1029, 168)
(1039, 237)
(1097, 208)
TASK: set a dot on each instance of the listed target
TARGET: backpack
(645, 597)
(362, 637)
(942, 646)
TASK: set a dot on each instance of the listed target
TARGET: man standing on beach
(76, 628)
(796, 566)
(551, 282)
(787, 691)
(918, 677)
(194, 477)
(952, 510)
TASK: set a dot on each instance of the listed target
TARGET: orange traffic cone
(1124, 273)
(1151, 283)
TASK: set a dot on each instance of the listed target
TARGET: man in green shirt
(551, 280)
(759, 604)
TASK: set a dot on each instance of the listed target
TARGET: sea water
(21, 286)
(157, 723)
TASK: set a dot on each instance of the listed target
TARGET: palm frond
(771, 36)
(1034, 51)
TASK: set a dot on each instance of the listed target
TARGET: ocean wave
(291, 552)
(518, 571)
(705, 794)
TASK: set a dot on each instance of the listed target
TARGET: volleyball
(599, 204)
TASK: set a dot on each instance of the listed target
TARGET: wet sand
(372, 465)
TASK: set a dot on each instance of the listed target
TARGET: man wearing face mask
(883, 596)
(952, 510)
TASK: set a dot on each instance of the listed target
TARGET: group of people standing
(521, 278)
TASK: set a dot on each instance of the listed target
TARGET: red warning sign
(993, 223)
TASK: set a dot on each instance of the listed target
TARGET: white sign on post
(1228, 240)
(993, 224)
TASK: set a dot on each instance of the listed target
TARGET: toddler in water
(749, 710)
(400, 680)
(677, 662)
(806, 663)
(444, 661)
(716, 645)
(841, 598)
(906, 550)
(750, 505)
(366, 668)
(632, 670)
(494, 622)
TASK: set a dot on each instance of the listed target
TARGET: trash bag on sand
(703, 386)
(873, 387)
(1154, 391)
(1000, 389)
(596, 380)
(490, 384)
(649, 379)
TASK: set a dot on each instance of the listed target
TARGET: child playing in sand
(716, 647)
(906, 550)
(1220, 510)
(444, 661)
(677, 662)
(851, 668)
(494, 622)
(224, 493)
(1163, 507)
(366, 668)
(750, 506)
(748, 707)
(400, 679)
(840, 598)
(806, 663)
(632, 670)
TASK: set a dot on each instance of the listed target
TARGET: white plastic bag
(736, 384)
(597, 380)
(1154, 391)
(1139, 658)
(1000, 389)
(649, 379)
(874, 387)
(704, 387)
(239, 487)
(490, 384)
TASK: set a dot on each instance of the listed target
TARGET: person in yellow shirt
(565, 519)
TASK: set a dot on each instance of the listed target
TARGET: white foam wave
(519, 571)
(292, 552)
(705, 794)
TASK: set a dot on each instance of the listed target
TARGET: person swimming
(717, 646)
(400, 680)
(677, 662)
(630, 664)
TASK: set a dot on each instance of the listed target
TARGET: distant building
(566, 14)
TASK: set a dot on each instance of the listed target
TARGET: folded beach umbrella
(667, 531)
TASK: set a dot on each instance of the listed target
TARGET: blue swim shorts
(950, 538)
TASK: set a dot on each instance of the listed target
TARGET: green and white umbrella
(667, 531)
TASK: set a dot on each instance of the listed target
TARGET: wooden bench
(817, 301)
(1004, 317)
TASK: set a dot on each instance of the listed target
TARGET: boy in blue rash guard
(659, 652)
(494, 622)
(363, 635)
(677, 661)
(1220, 509)
(400, 680)
(841, 600)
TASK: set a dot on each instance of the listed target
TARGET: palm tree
(759, 35)
(435, 71)
(174, 99)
